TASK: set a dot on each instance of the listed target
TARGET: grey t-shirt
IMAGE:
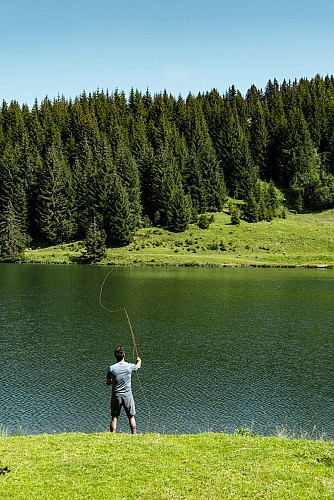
(121, 377)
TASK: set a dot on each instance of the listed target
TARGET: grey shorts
(126, 401)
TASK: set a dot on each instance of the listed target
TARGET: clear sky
(51, 47)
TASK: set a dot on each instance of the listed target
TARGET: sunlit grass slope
(150, 466)
(298, 240)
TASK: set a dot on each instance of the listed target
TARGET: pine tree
(194, 184)
(104, 168)
(12, 241)
(245, 173)
(240, 173)
(273, 201)
(258, 138)
(276, 124)
(251, 208)
(235, 217)
(226, 142)
(118, 216)
(234, 213)
(262, 208)
(299, 158)
(127, 169)
(87, 187)
(95, 243)
(55, 199)
(207, 183)
(13, 186)
(179, 210)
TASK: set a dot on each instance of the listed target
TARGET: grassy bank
(151, 466)
(298, 240)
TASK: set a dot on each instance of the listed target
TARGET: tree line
(106, 163)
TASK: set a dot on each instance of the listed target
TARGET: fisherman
(119, 376)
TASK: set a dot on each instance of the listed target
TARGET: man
(119, 376)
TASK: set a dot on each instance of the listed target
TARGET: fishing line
(132, 336)
(100, 297)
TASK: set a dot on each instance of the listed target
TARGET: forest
(104, 164)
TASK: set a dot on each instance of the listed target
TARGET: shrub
(203, 221)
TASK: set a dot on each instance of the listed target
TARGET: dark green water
(221, 348)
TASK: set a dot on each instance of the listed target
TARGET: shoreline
(180, 263)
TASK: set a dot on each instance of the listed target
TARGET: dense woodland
(106, 163)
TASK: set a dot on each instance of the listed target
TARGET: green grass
(152, 466)
(299, 240)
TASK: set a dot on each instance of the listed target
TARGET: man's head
(119, 353)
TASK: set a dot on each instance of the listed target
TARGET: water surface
(221, 348)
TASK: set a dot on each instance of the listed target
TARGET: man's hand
(138, 362)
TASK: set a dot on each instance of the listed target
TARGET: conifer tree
(212, 189)
(88, 204)
(262, 208)
(179, 212)
(228, 147)
(251, 208)
(55, 199)
(276, 125)
(299, 158)
(12, 241)
(235, 217)
(179, 208)
(127, 169)
(245, 173)
(166, 178)
(272, 200)
(118, 217)
(104, 168)
(95, 243)
(258, 138)
(146, 165)
(13, 185)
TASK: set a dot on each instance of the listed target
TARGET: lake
(222, 349)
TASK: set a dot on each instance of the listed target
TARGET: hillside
(298, 240)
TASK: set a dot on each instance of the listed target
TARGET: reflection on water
(221, 348)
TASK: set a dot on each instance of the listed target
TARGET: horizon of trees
(118, 162)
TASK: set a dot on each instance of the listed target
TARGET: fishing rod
(119, 310)
(132, 334)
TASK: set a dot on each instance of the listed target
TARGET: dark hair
(119, 353)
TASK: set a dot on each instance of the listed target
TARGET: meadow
(154, 466)
(206, 465)
(299, 240)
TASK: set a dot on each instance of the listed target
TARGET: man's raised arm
(138, 362)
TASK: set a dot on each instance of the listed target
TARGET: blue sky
(50, 47)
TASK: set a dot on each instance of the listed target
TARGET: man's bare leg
(132, 423)
(113, 424)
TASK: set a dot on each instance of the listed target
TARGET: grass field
(153, 467)
(299, 240)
